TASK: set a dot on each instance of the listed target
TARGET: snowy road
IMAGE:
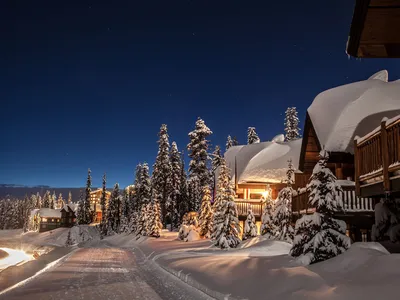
(104, 273)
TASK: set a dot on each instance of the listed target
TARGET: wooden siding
(244, 205)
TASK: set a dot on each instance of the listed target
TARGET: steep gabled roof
(340, 113)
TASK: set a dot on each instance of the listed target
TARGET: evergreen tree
(235, 141)
(223, 183)
(38, 201)
(282, 214)
(103, 204)
(194, 193)
(183, 198)
(161, 177)
(226, 229)
(28, 206)
(113, 213)
(229, 143)
(198, 146)
(60, 201)
(250, 228)
(145, 185)
(80, 214)
(53, 201)
(252, 136)
(125, 213)
(154, 225)
(267, 224)
(141, 227)
(146, 209)
(137, 205)
(46, 200)
(319, 236)
(216, 158)
(176, 174)
(205, 217)
(69, 241)
(69, 197)
(87, 211)
(291, 124)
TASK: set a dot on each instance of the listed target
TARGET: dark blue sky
(88, 83)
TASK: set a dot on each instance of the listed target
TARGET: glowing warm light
(265, 194)
(14, 257)
(44, 219)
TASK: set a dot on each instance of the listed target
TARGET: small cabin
(46, 219)
(68, 217)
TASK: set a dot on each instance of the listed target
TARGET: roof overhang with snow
(341, 113)
(374, 29)
(264, 162)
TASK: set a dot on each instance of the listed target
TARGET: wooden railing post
(385, 157)
(357, 167)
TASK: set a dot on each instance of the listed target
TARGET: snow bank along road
(104, 273)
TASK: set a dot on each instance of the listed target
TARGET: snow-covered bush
(387, 218)
(250, 228)
(319, 236)
(189, 223)
(267, 224)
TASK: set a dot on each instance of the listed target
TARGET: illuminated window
(44, 219)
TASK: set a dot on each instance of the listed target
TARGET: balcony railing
(244, 205)
(377, 155)
(351, 203)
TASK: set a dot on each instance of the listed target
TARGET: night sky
(88, 83)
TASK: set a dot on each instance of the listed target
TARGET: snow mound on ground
(58, 237)
(193, 236)
(280, 138)
(381, 75)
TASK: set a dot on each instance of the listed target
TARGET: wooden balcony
(351, 203)
(244, 205)
(377, 160)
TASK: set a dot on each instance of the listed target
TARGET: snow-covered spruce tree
(53, 200)
(29, 205)
(282, 214)
(46, 200)
(69, 241)
(103, 204)
(80, 216)
(145, 201)
(69, 197)
(137, 205)
(141, 226)
(216, 158)
(113, 212)
(223, 183)
(319, 236)
(250, 228)
(229, 143)
(235, 141)
(155, 225)
(38, 201)
(194, 193)
(292, 129)
(60, 201)
(226, 229)
(125, 213)
(161, 177)
(183, 197)
(198, 166)
(267, 224)
(252, 136)
(205, 217)
(87, 211)
(176, 173)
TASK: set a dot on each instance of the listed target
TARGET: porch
(377, 160)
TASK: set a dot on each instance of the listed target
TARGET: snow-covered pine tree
(226, 228)
(319, 236)
(80, 215)
(155, 225)
(229, 143)
(87, 211)
(206, 216)
(69, 241)
(194, 192)
(161, 177)
(267, 224)
(53, 200)
(60, 201)
(38, 201)
(69, 197)
(183, 199)
(141, 229)
(29, 205)
(250, 228)
(46, 200)
(235, 141)
(176, 173)
(146, 210)
(103, 204)
(216, 158)
(198, 146)
(292, 129)
(113, 213)
(125, 213)
(252, 136)
(136, 204)
(282, 214)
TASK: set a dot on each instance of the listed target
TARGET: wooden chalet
(48, 219)
(377, 161)
(68, 216)
(332, 121)
(374, 31)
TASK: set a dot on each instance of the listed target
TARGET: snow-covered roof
(263, 162)
(49, 213)
(341, 113)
